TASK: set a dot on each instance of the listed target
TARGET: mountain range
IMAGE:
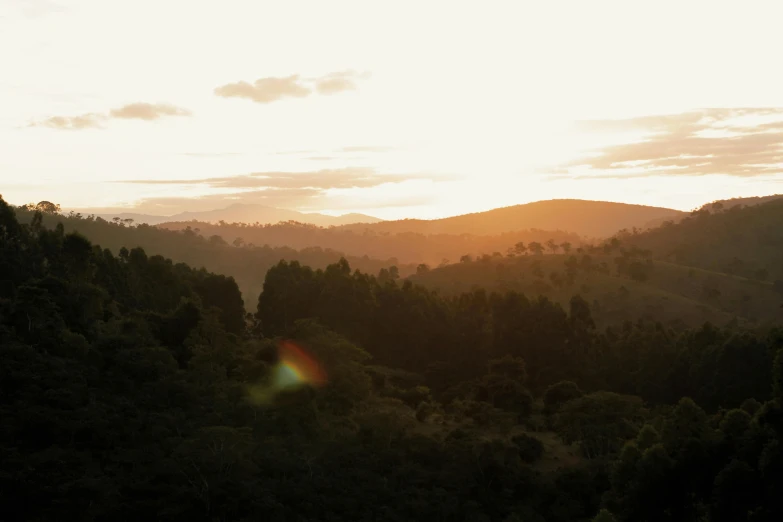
(240, 213)
(720, 263)
(589, 219)
(433, 241)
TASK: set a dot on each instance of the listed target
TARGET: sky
(394, 109)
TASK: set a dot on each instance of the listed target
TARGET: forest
(129, 356)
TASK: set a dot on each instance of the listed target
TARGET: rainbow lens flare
(296, 368)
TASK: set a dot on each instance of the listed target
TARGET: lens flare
(295, 368)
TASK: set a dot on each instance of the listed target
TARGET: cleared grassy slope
(673, 294)
(746, 241)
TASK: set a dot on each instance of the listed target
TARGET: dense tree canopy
(126, 381)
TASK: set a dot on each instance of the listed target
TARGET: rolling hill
(717, 264)
(592, 219)
(407, 247)
(745, 241)
(711, 266)
(673, 294)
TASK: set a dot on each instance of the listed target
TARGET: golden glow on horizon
(466, 105)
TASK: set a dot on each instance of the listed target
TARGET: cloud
(147, 111)
(734, 142)
(84, 121)
(328, 189)
(302, 199)
(280, 198)
(336, 82)
(271, 89)
(265, 90)
(138, 111)
(321, 180)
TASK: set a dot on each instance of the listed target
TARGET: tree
(215, 460)
(560, 393)
(536, 248)
(530, 448)
(422, 269)
(600, 422)
(238, 242)
(566, 246)
(217, 240)
(47, 207)
(394, 272)
(647, 437)
(348, 383)
(520, 248)
(509, 366)
(734, 424)
(687, 421)
(552, 246)
(505, 393)
(579, 314)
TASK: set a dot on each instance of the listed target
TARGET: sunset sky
(394, 109)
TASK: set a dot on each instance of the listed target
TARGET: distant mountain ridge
(593, 219)
(241, 213)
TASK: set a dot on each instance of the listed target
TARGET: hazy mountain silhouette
(243, 213)
(407, 247)
(582, 217)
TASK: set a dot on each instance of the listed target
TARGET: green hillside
(666, 292)
(740, 240)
